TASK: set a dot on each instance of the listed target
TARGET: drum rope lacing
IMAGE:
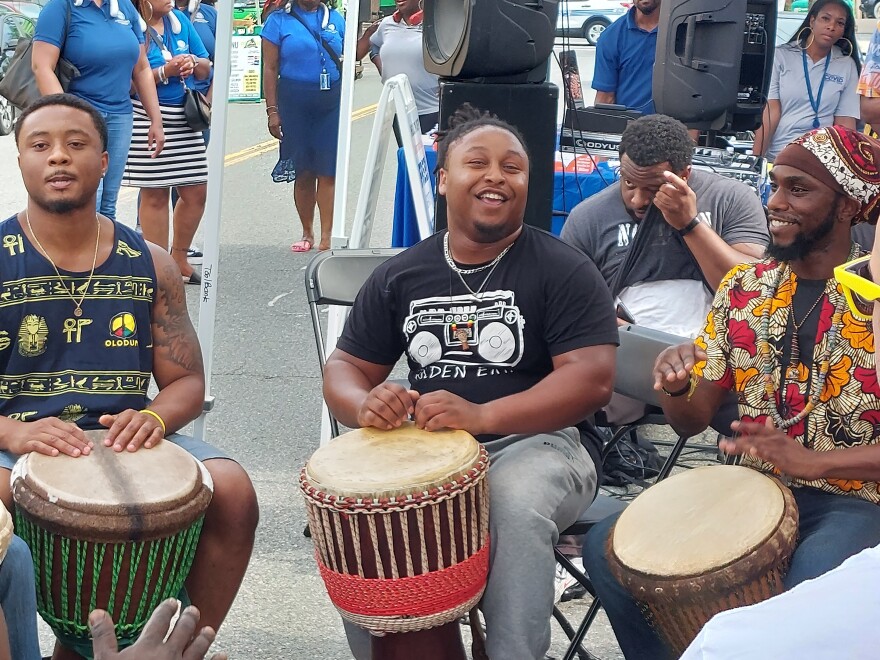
(174, 555)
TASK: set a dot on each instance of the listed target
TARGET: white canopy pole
(214, 204)
(343, 147)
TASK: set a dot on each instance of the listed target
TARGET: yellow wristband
(161, 421)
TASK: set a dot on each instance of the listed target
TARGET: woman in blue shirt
(301, 83)
(177, 57)
(105, 41)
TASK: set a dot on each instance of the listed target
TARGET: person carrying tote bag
(176, 54)
(104, 40)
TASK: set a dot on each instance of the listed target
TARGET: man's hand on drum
(387, 406)
(131, 429)
(444, 410)
(674, 365)
(766, 442)
(152, 644)
(49, 436)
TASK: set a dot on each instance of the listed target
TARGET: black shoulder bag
(19, 85)
(196, 108)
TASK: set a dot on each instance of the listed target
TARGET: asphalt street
(267, 384)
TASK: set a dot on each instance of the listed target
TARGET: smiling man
(816, 419)
(519, 347)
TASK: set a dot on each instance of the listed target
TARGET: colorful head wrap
(843, 159)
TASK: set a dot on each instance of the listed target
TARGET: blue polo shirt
(105, 49)
(300, 54)
(625, 63)
(187, 41)
(205, 23)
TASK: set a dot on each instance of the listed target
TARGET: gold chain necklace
(69, 291)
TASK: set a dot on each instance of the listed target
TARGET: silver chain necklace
(461, 272)
(469, 271)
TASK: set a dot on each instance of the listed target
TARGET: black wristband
(688, 228)
(684, 390)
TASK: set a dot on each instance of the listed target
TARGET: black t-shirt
(543, 299)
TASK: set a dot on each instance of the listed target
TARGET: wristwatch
(689, 227)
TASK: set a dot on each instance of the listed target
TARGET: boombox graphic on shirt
(465, 330)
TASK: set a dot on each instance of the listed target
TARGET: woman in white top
(814, 79)
(395, 46)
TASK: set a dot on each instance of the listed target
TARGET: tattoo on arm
(174, 337)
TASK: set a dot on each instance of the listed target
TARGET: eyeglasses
(853, 282)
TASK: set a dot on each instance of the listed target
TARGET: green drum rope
(174, 556)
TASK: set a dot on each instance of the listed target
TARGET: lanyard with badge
(815, 103)
(322, 45)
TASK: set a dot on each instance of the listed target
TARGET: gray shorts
(196, 448)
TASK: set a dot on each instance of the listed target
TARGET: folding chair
(639, 348)
(334, 277)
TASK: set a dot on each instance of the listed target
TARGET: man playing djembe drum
(531, 354)
(781, 335)
(77, 351)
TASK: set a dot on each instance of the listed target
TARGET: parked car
(13, 26)
(588, 18)
(869, 8)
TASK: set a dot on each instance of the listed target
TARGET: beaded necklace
(769, 364)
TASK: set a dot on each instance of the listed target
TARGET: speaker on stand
(713, 63)
(494, 55)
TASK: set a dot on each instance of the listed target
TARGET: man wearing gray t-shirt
(665, 235)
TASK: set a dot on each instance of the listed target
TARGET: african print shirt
(848, 411)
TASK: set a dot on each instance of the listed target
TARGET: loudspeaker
(714, 60)
(532, 109)
(489, 40)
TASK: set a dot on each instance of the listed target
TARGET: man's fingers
(103, 634)
(184, 629)
(200, 644)
(160, 619)
(675, 181)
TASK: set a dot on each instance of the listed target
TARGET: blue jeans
(19, 601)
(118, 142)
(832, 528)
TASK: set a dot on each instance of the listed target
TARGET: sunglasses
(853, 282)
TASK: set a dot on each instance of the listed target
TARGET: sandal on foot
(192, 278)
(305, 245)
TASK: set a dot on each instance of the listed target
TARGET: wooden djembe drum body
(400, 521)
(115, 531)
(701, 542)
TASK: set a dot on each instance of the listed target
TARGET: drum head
(697, 521)
(142, 480)
(372, 463)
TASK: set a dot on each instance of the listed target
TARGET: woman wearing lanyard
(176, 54)
(104, 40)
(302, 46)
(814, 79)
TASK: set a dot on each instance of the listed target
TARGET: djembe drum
(701, 542)
(400, 521)
(115, 531)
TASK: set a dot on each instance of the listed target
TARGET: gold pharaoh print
(5, 341)
(32, 336)
(72, 413)
(123, 248)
